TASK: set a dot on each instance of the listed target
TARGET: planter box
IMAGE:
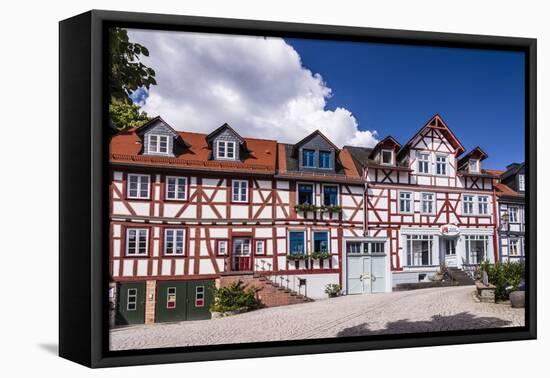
(485, 293)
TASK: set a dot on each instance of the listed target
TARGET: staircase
(270, 293)
(459, 277)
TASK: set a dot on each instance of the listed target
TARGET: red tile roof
(505, 190)
(125, 148)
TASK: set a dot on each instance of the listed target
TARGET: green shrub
(235, 297)
(333, 289)
(505, 276)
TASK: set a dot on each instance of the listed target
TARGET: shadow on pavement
(461, 321)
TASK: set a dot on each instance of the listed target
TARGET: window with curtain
(330, 195)
(308, 158)
(305, 194)
(296, 242)
(325, 160)
(320, 241)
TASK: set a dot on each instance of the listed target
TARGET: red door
(241, 255)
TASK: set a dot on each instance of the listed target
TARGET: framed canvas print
(233, 188)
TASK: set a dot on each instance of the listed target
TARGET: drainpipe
(365, 207)
(495, 249)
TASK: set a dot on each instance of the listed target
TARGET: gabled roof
(344, 169)
(504, 191)
(222, 128)
(496, 173)
(158, 119)
(476, 153)
(260, 157)
(512, 169)
(387, 142)
(361, 158)
(312, 135)
(436, 122)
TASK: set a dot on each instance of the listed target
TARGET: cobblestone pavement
(437, 309)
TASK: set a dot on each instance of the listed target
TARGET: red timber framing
(209, 216)
(383, 216)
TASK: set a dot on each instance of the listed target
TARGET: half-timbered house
(429, 202)
(510, 191)
(189, 211)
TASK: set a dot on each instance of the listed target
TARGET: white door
(449, 247)
(365, 267)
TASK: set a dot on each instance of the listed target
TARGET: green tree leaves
(127, 74)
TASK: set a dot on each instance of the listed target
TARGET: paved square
(437, 309)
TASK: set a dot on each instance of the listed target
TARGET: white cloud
(257, 85)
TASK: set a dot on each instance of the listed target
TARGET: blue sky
(272, 88)
(396, 89)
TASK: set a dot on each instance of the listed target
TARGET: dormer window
(521, 183)
(158, 144)
(308, 158)
(473, 166)
(226, 149)
(325, 159)
(386, 157)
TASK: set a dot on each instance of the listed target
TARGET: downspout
(496, 252)
(365, 207)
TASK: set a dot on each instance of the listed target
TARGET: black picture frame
(83, 197)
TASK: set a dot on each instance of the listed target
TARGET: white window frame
(172, 290)
(221, 242)
(313, 240)
(136, 249)
(200, 296)
(476, 169)
(323, 193)
(157, 149)
(313, 193)
(443, 164)
(177, 184)
(134, 302)
(467, 247)
(433, 202)
(472, 202)
(140, 184)
(256, 244)
(382, 157)
(420, 162)
(516, 212)
(175, 231)
(410, 254)
(410, 201)
(241, 184)
(521, 182)
(484, 203)
(304, 239)
(516, 243)
(226, 144)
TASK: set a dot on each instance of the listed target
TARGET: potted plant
(305, 207)
(331, 208)
(296, 256)
(333, 290)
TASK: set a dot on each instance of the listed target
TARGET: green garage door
(184, 300)
(131, 303)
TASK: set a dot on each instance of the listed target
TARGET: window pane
(353, 247)
(320, 242)
(296, 242)
(330, 195)
(305, 194)
(308, 158)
